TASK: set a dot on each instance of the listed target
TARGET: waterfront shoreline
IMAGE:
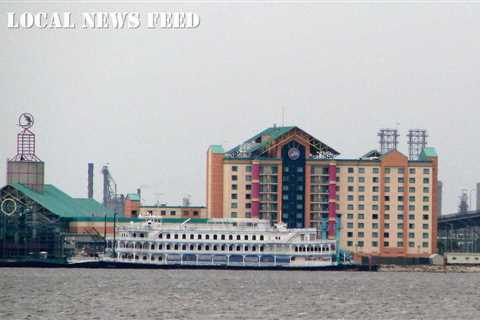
(430, 268)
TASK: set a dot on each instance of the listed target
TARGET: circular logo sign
(8, 206)
(293, 153)
(25, 120)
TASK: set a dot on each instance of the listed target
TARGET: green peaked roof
(216, 148)
(133, 196)
(61, 204)
(428, 152)
(255, 143)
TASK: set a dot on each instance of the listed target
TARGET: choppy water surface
(210, 294)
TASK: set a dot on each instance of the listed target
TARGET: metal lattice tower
(388, 140)
(25, 140)
(417, 141)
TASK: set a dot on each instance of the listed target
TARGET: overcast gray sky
(150, 102)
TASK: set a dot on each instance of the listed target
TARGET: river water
(211, 294)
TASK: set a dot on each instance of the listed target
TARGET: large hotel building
(381, 204)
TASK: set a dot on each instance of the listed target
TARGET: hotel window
(248, 178)
(248, 168)
(386, 207)
(199, 237)
(350, 179)
(411, 216)
(411, 198)
(387, 217)
(374, 198)
(361, 216)
(386, 225)
(387, 170)
(248, 196)
(375, 216)
(426, 190)
(234, 168)
(234, 205)
(234, 196)
(387, 189)
(361, 189)
(375, 170)
(387, 198)
(349, 243)
(350, 197)
(360, 244)
(386, 244)
(350, 216)
(350, 189)
(400, 198)
(400, 244)
(234, 187)
(361, 170)
(374, 234)
(400, 180)
(411, 207)
(337, 179)
(411, 180)
(374, 243)
(361, 207)
(426, 199)
(426, 171)
(375, 207)
(412, 170)
(425, 244)
(387, 179)
(400, 226)
(401, 170)
(425, 217)
(248, 205)
(234, 178)
(337, 188)
(374, 225)
(350, 225)
(411, 235)
(337, 169)
(411, 225)
(411, 244)
(425, 235)
(375, 189)
(425, 226)
(349, 234)
(400, 207)
(401, 189)
(400, 235)
(426, 180)
(386, 235)
(172, 213)
(248, 187)
(350, 207)
(426, 208)
(375, 179)
(361, 198)
(411, 190)
(361, 225)
(400, 217)
(361, 179)
(350, 170)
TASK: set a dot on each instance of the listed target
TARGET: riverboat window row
(225, 248)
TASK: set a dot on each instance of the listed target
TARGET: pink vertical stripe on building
(255, 190)
(332, 195)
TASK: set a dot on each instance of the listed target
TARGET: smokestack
(139, 192)
(90, 181)
(478, 196)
